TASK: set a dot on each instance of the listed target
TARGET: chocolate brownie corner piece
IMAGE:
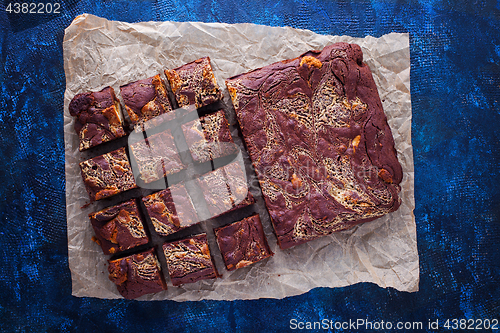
(194, 83)
(145, 99)
(137, 274)
(156, 156)
(119, 228)
(107, 174)
(209, 137)
(97, 117)
(170, 210)
(189, 260)
(242, 243)
(319, 141)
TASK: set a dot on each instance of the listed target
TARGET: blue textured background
(455, 87)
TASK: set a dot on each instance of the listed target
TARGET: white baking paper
(100, 53)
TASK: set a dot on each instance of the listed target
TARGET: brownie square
(156, 156)
(319, 142)
(119, 228)
(242, 243)
(137, 274)
(215, 191)
(170, 210)
(225, 189)
(189, 260)
(145, 99)
(208, 137)
(97, 117)
(237, 183)
(194, 83)
(107, 174)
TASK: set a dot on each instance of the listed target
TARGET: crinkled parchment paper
(98, 53)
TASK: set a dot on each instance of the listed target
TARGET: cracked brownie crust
(242, 243)
(97, 117)
(189, 260)
(145, 99)
(119, 228)
(319, 141)
(107, 175)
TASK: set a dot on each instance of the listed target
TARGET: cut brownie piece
(237, 183)
(107, 174)
(156, 156)
(319, 141)
(242, 243)
(225, 189)
(145, 99)
(97, 117)
(194, 83)
(137, 274)
(189, 260)
(170, 210)
(208, 137)
(215, 191)
(119, 228)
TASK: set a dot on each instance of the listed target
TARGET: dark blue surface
(455, 87)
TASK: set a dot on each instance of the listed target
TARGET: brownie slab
(194, 83)
(156, 156)
(107, 174)
(145, 99)
(319, 141)
(225, 189)
(119, 228)
(137, 275)
(189, 260)
(242, 243)
(170, 210)
(209, 137)
(97, 117)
